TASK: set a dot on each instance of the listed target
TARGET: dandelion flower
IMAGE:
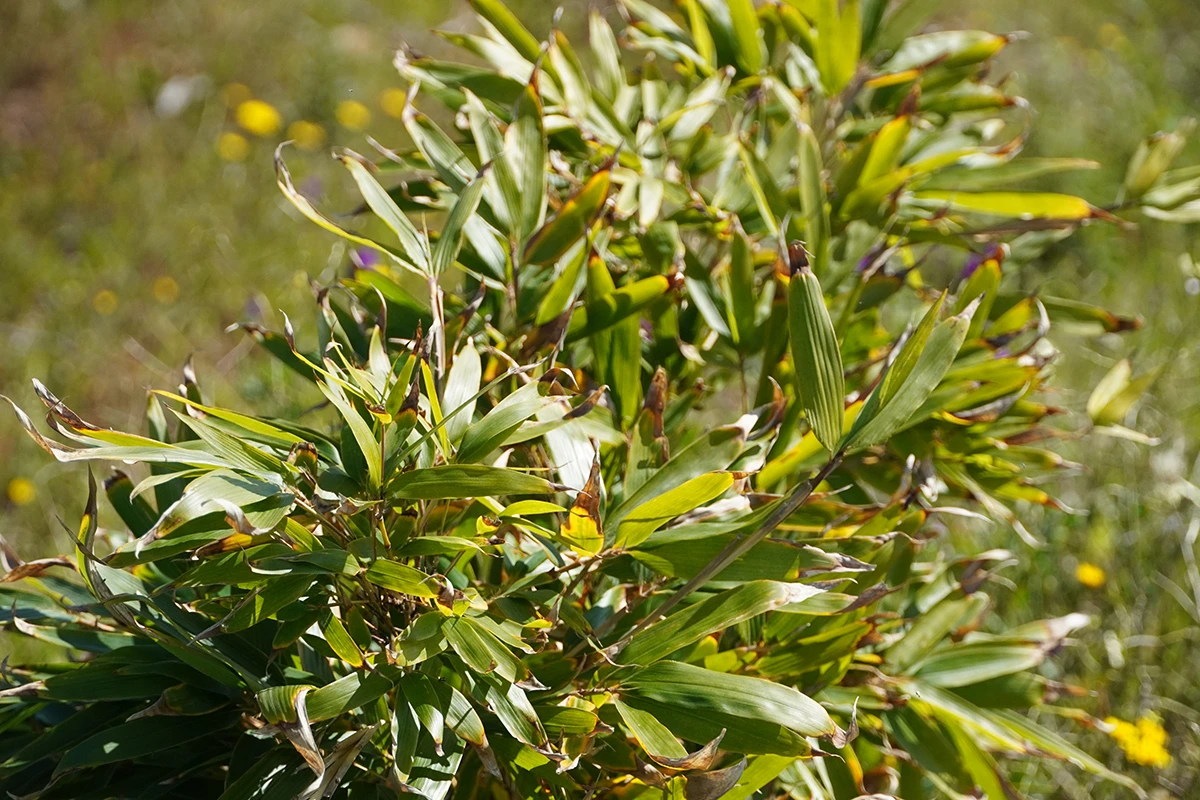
(1144, 742)
(259, 118)
(166, 290)
(21, 491)
(307, 135)
(1090, 575)
(353, 115)
(392, 101)
(105, 302)
(233, 147)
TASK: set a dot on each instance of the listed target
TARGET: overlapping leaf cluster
(680, 352)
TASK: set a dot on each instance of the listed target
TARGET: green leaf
(412, 243)
(347, 693)
(305, 207)
(742, 735)
(901, 368)
(460, 715)
(948, 48)
(278, 703)
(877, 422)
(747, 33)
(264, 604)
(717, 613)
(700, 690)
(368, 445)
(760, 771)
(701, 35)
(567, 721)
(462, 384)
(439, 150)
(813, 201)
(771, 559)
(572, 221)
(142, 737)
(609, 74)
(481, 650)
(973, 177)
(426, 704)
(497, 425)
(397, 577)
(1117, 391)
(809, 653)
(742, 292)
(817, 357)
(1014, 205)
(642, 520)
(839, 39)
(525, 144)
(515, 711)
(652, 735)
(566, 286)
(338, 638)
(981, 766)
(455, 481)
(1152, 158)
(99, 683)
(926, 632)
(445, 252)
(618, 305)
(495, 12)
(967, 664)
(712, 452)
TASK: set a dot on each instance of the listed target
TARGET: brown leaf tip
(797, 257)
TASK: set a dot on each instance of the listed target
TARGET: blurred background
(139, 218)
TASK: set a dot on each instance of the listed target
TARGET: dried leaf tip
(797, 257)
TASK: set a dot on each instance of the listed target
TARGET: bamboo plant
(679, 355)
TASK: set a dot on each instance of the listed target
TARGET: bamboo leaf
(452, 481)
(652, 735)
(1014, 205)
(637, 525)
(816, 355)
(445, 253)
(572, 221)
(368, 445)
(813, 201)
(717, 613)
(412, 243)
(877, 422)
(747, 33)
(142, 737)
(397, 577)
(525, 144)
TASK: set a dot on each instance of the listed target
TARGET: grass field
(138, 220)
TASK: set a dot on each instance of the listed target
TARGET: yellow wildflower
(166, 290)
(105, 302)
(21, 491)
(234, 94)
(1144, 742)
(307, 135)
(392, 102)
(1090, 575)
(233, 146)
(259, 117)
(353, 115)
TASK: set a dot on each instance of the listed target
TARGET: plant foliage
(681, 352)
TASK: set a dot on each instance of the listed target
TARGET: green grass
(100, 193)
(1102, 75)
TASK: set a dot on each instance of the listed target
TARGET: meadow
(139, 219)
